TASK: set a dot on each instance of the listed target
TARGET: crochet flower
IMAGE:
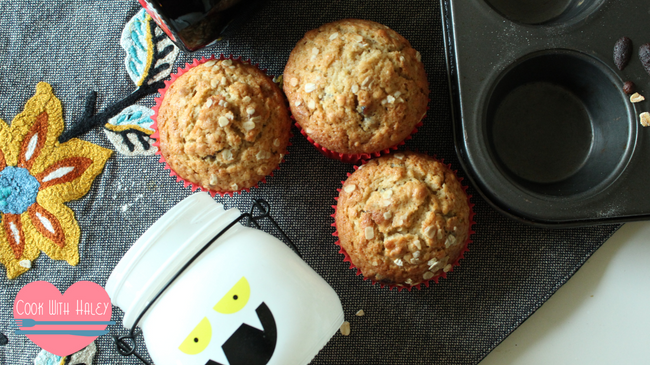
(37, 175)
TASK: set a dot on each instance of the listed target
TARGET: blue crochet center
(18, 190)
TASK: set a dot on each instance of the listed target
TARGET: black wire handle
(126, 349)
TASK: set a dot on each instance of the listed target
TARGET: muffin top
(356, 86)
(223, 125)
(403, 218)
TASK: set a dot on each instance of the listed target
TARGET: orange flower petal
(14, 233)
(34, 141)
(47, 224)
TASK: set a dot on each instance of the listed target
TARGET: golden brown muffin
(403, 218)
(223, 125)
(356, 86)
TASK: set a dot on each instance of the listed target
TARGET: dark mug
(195, 24)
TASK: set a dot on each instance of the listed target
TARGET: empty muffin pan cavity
(553, 124)
(545, 12)
(542, 126)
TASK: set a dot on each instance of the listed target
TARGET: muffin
(356, 86)
(222, 125)
(403, 219)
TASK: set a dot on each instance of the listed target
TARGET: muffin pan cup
(188, 184)
(542, 125)
(426, 283)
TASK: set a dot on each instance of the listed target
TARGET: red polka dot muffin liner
(426, 282)
(194, 186)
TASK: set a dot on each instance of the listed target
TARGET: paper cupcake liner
(426, 282)
(192, 185)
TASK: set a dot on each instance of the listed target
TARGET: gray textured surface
(510, 270)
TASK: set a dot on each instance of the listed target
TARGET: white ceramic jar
(248, 299)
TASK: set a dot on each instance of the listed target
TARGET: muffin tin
(542, 126)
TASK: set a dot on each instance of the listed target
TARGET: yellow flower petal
(7, 257)
(43, 101)
(75, 189)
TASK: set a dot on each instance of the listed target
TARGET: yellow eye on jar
(198, 339)
(235, 299)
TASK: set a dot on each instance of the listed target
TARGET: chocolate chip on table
(622, 52)
(644, 56)
(629, 87)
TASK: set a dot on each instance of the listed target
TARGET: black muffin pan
(542, 125)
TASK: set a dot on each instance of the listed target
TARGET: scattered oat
(345, 328)
(248, 125)
(636, 97)
(223, 80)
(209, 103)
(234, 187)
(298, 103)
(26, 264)
(451, 240)
(314, 51)
(250, 110)
(334, 36)
(399, 156)
(349, 188)
(365, 81)
(214, 83)
(409, 281)
(387, 194)
(427, 275)
(210, 63)
(358, 38)
(232, 67)
(246, 99)
(398, 262)
(310, 87)
(227, 63)
(397, 94)
(432, 263)
(645, 119)
(388, 215)
(429, 231)
(447, 268)
(355, 88)
(263, 155)
(390, 99)
(230, 116)
(294, 82)
(360, 313)
(276, 142)
(227, 155)
(308, 131)
(416, 254)
(213, 179)
(370, 233)
(223, 121)
(311, 105)
(417, 244)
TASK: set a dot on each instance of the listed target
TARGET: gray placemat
(510, 270)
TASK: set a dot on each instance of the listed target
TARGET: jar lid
(164, 249)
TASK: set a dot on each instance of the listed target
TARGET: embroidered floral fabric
(102, 58)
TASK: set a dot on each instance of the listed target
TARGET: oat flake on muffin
(403, 218)
(356, 86)
(223, 124)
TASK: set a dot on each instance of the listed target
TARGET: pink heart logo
(62, 323)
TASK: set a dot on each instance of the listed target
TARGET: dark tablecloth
(510, 270)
